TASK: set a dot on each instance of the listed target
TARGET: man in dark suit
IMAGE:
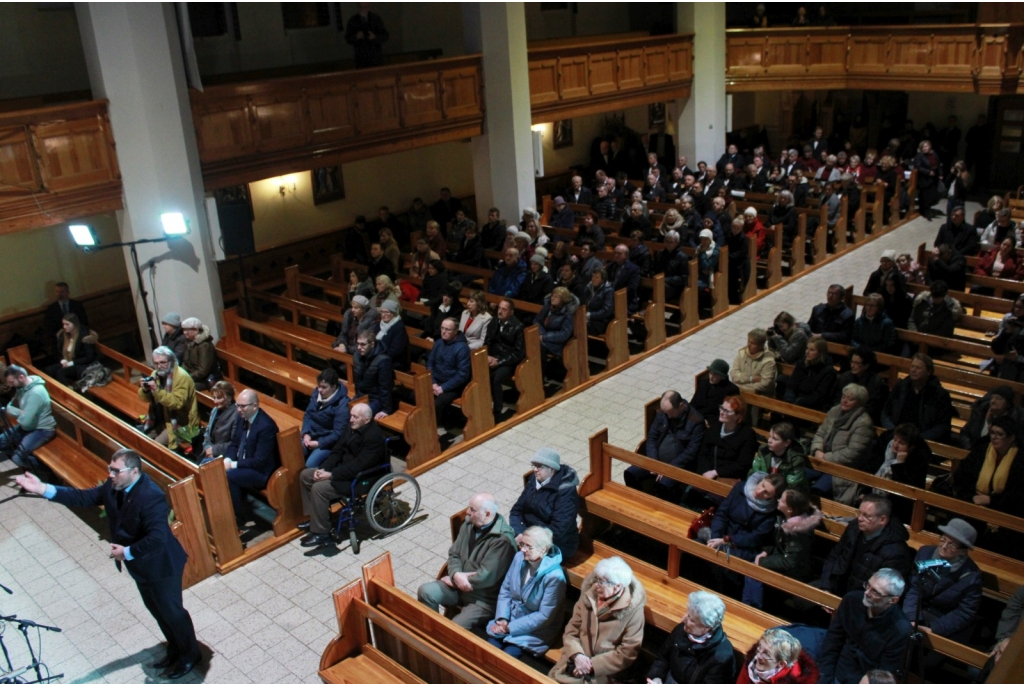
(656, 169)
(818, 143)
(141, 540)
(252, 456)
(360, 448)
(55, 313)
(366, 33)
(663, 145)
(504, 352)
(385, 219)
(731, 156)
(579, 194)
(444, 210)
(623, 273)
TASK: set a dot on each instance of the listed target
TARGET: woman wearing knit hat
(550, 500)
(174, 336)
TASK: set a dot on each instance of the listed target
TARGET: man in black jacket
(504, 352)
(921, 400)
(366, 33)
(360, 448)
(623, 273)
(373, 374)
(711, 390)
(958, 234)
(674, 438)
(140, 539)
(549, 499)
(675, 264)
(832, 319)
(875, 540)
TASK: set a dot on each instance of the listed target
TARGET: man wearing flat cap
(550, 500)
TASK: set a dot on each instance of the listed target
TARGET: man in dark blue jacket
(373, 374)
(252, 456)
(509, 276)
(623, 273)
(325, 419)
(832, 319)
(449, 365)
(674, 438)
(549, 499)
(140, 538)
(504, 352)
(675, 264)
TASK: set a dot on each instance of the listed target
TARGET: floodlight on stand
(83, 235)
(174, 224)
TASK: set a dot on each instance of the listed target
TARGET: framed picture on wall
(563, 133)
(235, 195)
(327, 184)
(655, 114)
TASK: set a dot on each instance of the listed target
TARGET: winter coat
(449, 363)
(488, 561)
(352, 327)
(178, 404)
(612, 644)
(811, 385)
(707, 264)
(925, 318)
(951, 601)
(31, 407)
(746, 528)
(971, 432)
(963, 240)
(357, 450)
(395, 343)
(556, 327)
(855, 559)
(936, 408)
(220, 429)
(536, 286)
(708, 397)
(834, 325)
(200, 359)
(475, 332)
(790, 554)
(731, 455)
(432, 325)
(374, 377)
(553, 506)
(507, 282)
(744, 368)
(1011, 265)
(792, 466)
(534, 610)
(789, 349)
(508, 345)
(470, 253)
(803, 671)
(626, 275)
(687, 431)
(641, 256)
(675, 264)
(856, 643)
(878, 392)
(177, 341)
(965, 480)
(877, 335)
(712, 661)
(600, 305)
(877, 279)
(326, 422)
(846, 439)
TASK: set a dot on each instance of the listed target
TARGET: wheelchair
(388, 500)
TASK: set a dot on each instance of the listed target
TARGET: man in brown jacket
(477, 563)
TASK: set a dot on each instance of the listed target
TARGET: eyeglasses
(725, 410)
(997, 435)
(949, 542)
(872, 592)
(165, 362)
(245, 406)
(605, 583)
(115, 472)
(526, 548)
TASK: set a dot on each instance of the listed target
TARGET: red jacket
(803, 671)
(1011, 266)
(759, 233)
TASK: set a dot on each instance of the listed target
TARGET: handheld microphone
(928, 564)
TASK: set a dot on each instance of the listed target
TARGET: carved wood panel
(745, 56)
(631, 69)
(74, 153)
(461, 88)
(543, 81)
(280, 121)
(953, 55)
(420, 99)
(17, 167)
(869, 54)
(911, 54)
(377, 106)
(655, 65)
(826, 54)
(223, 129)
(573, 72)
(786, 55)
(602, 73)
(330, 113)
(680, 61)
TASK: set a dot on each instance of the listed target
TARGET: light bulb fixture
(83, 235)
(174, 224)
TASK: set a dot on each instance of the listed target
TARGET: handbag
(702, 521)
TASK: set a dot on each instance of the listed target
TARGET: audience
(537, 284)
(949, 267)
(359, 448)
(549, 499)
(171, 395)
(387, 291)
(811, 384)
(999, 262)
(1008, 622)
(729, 446)
(449, 365)
(358, 318)
(450, 307)
(832, 319)
(873, 330)
(76, 350)
(675, 264)
(221, 426)
(252, 457)
(555, 320)
(373, 374)
(898, 302)
(998, 230)
(846, 438)
(623, 273)
(475, 324)
(991, 475)
(787, 339)
(174, 337)
(712, 389)
(674, 438)
(958, 234)
(783, 454)
(697, 650)
(902, 456)
(528, 614)
(868, 631)
(478, 562)
(886, 266)
(753, 369)
(599, 299)
(794, 538)
(392, 336)
(778, 657)
(604, 635)
(508, 278)
(325, 419)
(863, 372)
(920, 399)
(739, 263)
(34, 423)
(54, 315)
(908, 269)
(200, 356)
(997, 402)
(935, 312)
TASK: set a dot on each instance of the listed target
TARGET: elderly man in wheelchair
(358, 459)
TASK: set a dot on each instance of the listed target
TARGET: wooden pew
(475, 402)
(616, 336)
(653, 314)
(977, 305)
(574, 354)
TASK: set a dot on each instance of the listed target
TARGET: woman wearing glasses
(529, 611)
(603, 637)
(698, 650)
(778, 657)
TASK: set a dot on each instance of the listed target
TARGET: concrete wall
(40, 51)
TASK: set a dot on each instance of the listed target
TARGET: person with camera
(171, 394)
(787, 339)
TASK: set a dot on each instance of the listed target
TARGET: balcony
(56, 164)
(971, 58)
(583, 76)
(249, 131)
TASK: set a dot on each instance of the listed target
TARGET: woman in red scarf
(778, 658)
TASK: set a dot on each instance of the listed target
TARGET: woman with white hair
(529, 610)
(603, 637)
(846, 437)
(697, 650)
(778, 657)
(200, 357)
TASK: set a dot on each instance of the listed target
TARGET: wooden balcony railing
(592, 75)
(250, 131)
(56, 164)
(975, 58)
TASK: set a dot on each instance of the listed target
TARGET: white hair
(167, 353)
(750, 211)
(706, 607)
(541, 536)
(893, 580)
(614, 570)
(672, 235)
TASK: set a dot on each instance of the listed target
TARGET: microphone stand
(23, 626)
(917, 637)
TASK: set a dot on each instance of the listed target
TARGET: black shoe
(182, 668)
(314, 540)
(166, 661)
(303, 526)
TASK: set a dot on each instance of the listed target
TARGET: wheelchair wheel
(353, 540)
(392, 502)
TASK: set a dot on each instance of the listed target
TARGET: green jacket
(792, 466)
(791, 553)
(179, 404)
(31, 407)
(490, 559)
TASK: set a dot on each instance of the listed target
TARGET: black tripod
(10, 675)
(915, 651)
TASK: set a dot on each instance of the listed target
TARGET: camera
(774, 330)
(149, 379)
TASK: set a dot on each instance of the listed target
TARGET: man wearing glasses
(869, 631)
(171, 394)
(140, 539)
(252, 456)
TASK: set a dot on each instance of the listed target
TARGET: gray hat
(546, 456)
(390, 305)
(361, 301)
(961, 531)
(719, 366)
(559, 200)
(537, 259)
(524, 235)
(172, 318)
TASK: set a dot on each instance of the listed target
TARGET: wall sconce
(285, 184)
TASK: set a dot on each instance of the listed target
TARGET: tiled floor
(269, 621)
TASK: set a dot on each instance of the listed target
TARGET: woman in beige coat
(845, 438)
(603, 637)
(475, 320)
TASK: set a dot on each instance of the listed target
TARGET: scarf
(763, 506)
(702, 639)
(385, 326)
(995, 471)
(604, 606)
(765, 676)
(885, 470)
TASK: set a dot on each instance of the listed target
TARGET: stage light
(174, 224)
(83, 235)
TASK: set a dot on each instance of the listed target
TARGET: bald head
(248, 404)
(482, 509)
(360, 415)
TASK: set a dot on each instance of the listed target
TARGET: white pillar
(133, 55)
(503, 155)
(703, 121)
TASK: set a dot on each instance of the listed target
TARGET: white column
(133, 54)
(503, 155)
(703, 121)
